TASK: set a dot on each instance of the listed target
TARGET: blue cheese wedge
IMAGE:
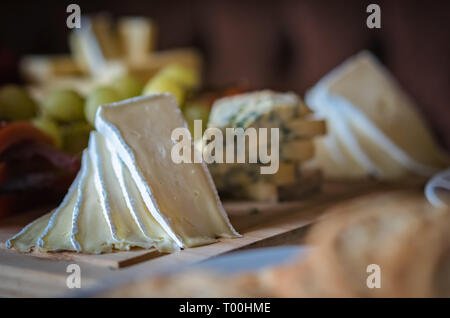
(304, 128)
(264, 190)
(181, 197)
(297, 150)
(263, 109)
(237, 174)
(257, 109)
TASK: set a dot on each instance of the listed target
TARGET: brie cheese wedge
(129, 192)
(181, 197)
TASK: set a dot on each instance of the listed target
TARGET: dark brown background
(279, 44)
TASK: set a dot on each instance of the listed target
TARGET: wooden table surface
(262, 225)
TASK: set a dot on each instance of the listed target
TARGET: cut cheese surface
(304, 128)
(239, 174)
(181, 197)
(297, 150)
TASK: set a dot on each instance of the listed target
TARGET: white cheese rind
(97, 165)
(26, 239)
(61, 223)
(93, 232)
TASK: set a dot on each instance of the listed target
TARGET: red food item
(32, 171)
(18, 131)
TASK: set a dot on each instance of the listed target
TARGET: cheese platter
(143, 171)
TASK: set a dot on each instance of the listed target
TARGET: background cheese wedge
(332, 157)
(181, 197)
(392, 161)
(374, 122)
(383, 101)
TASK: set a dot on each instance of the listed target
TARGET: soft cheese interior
(129, 192)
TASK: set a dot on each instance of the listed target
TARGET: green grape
(99, 96)
(76, 136)
(51, 128)
(160, 84)
(187, 76)
(63, 105)
(128, 86)
(196, 111)
(16, 103)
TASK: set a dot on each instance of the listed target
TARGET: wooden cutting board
(262, 224)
